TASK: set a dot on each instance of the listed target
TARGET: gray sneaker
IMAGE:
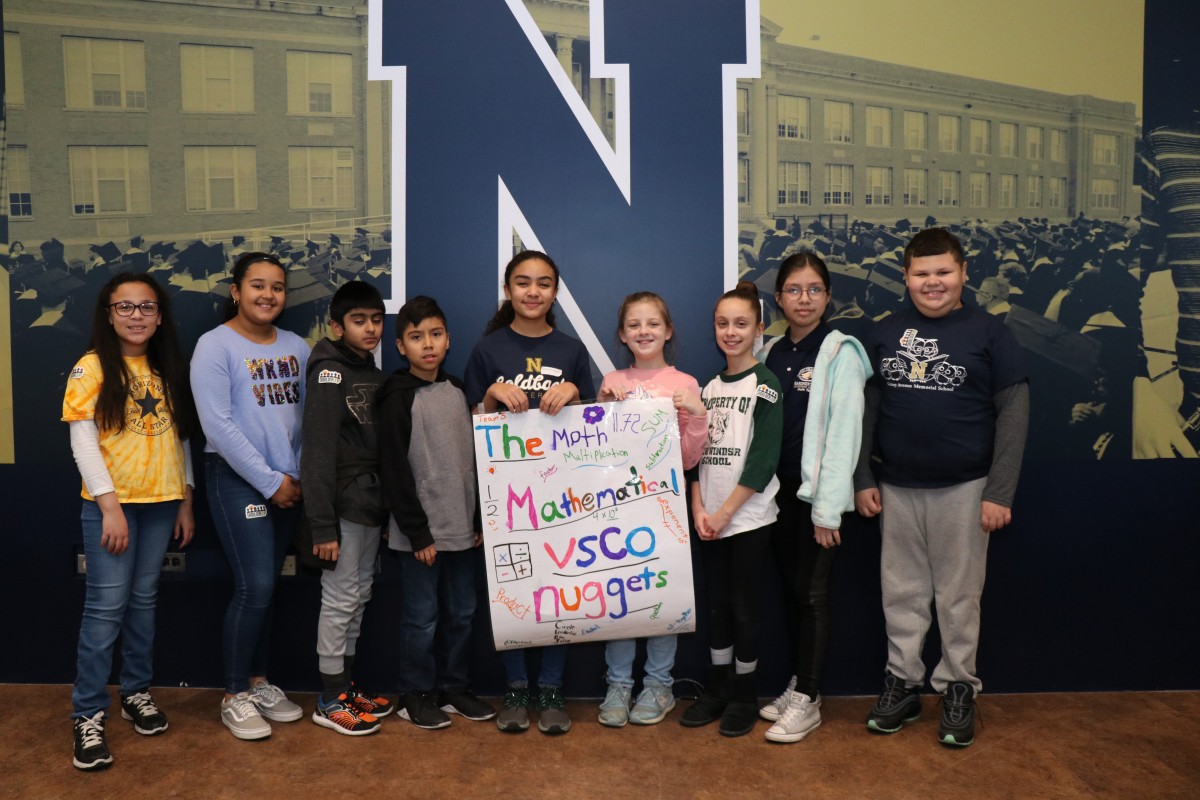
(653, 704)
(273, 703)
(799, 719)
(514, 715)
(774, 709)
(614, 711)
(240, 715)
(552, 711)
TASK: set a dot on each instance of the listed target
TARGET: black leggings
(804, 569)
(733, 568)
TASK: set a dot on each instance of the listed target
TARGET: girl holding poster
(823, 372)
(130, 415)
(523, 362)
(733, 507)
(644, 327)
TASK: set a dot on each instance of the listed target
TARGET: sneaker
(552, 711)
(420, 709)
(91, 751)
(369, 703)
(240, 715)
(897, 704)
(614, 711)
(774, 709)
(273, 703)
(147, 719)
(801, 717)
(514, 714)
(466, 704)
(957, 728)
(653, 704)
(342, 716)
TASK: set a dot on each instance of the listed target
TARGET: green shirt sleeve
(762, 456)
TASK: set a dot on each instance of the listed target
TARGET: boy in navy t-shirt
(948, 411)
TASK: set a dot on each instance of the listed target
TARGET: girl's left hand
(827, 537)
(689, 401)
(557, 397)
(185, 521)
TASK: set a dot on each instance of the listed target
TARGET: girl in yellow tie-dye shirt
(130, 413)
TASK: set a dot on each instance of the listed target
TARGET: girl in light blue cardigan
(822, 372)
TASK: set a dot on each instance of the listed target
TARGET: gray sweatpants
(934, 552)
(345, 590)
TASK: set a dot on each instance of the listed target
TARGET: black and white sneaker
(420, 709)
(91, 751)
(897, 704)
(463, 702)
(957, 728)
(148, 720)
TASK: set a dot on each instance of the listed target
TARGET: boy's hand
(995, 516)
(478, 540)
(557, 397)
(827, 537)
(867, 502)
(326, 551)
(426, 555)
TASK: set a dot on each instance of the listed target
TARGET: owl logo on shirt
(718, 423)
(920, 363)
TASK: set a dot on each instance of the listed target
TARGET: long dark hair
(244, 262)
(506, 313)
(162, 354)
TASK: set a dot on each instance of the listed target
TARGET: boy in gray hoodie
(428, 471)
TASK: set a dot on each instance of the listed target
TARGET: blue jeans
(120, 597)
(660, 659)
(554, 663)
(435, 629)
(255, 536)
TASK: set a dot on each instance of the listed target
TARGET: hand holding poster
(585, 525)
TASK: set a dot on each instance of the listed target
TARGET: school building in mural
(182, 118)
(176, 119)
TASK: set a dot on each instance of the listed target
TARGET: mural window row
(794, 122)
(116, 180)
(794, 187)
(110, 75)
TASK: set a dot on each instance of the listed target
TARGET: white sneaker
(774, 709)
(273, 703)
(614, 711)
(802, 717)
(240, 715)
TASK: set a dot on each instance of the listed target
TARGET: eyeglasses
(813, 291)
(125, 308)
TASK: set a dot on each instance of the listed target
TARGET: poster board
(585, 526)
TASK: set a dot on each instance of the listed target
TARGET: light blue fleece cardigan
(832, 426)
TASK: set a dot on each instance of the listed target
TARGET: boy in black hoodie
(428, 472)
(343, 506)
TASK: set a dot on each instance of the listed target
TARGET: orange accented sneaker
(368, 703)
(343, 717)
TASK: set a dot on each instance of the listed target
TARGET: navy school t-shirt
(792, 363)
(938, 378)
(534, 364)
